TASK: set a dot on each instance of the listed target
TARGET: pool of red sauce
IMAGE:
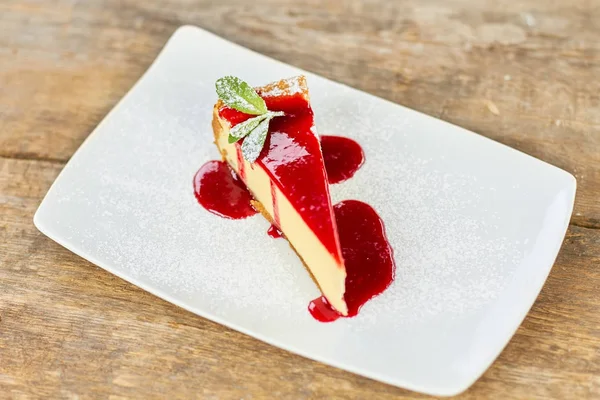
(274, 232)
(367, 254)
(218, 189)
(368, 258)
(342, 157)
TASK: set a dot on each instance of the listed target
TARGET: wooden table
(525, 73)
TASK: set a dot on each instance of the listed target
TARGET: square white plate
(475, 225)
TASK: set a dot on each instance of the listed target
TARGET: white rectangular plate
(475, 225)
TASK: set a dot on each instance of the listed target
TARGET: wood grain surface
(525, 73)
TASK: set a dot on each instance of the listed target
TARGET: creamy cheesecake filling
(326, 268)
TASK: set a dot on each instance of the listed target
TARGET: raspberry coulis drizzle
(274, 232)
(218, 189)
(367, 255)
(368, 258)
(292, 160)
(342, 157)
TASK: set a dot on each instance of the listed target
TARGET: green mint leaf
(254, 142)
(240, 96)
(243, 129)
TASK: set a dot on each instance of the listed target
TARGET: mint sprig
(255, 141)
(240, 96)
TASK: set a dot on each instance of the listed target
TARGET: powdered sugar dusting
(450, 261)
(447, 262)
(254, 142)
(239, 95)
(464, 216)
(285, 87)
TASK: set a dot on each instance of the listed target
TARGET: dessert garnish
(274, 162)
(240, 96)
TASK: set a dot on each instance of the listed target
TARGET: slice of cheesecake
(289, 182)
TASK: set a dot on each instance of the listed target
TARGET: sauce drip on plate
(368, 258)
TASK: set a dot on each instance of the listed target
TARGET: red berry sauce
(293, 157)
(220, 191)
(274, 232)
(368, 258)
(293, 160)
(342, 157)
